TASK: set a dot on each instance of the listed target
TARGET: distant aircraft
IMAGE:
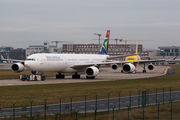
(2, 58)
(130, 63)
(66, 63)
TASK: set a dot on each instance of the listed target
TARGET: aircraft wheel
(60, 76)
(73, 76)
(90, 77)
(35, 78)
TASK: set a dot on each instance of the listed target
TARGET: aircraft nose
(27, 64)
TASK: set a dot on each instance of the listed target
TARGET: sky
(32, 22)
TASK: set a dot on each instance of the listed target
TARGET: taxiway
(106, 74)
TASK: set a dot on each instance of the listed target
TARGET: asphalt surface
(99, 105)
(105, 74)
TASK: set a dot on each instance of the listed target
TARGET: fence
(74, 109)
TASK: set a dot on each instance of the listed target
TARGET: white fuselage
(61, 62)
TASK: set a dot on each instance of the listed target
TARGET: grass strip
(23, 94)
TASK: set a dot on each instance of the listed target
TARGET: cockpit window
(30, 59)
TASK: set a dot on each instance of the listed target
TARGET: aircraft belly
(71, 70)
(54, 66)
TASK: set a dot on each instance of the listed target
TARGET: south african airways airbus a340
(75, 63)
(66, 63)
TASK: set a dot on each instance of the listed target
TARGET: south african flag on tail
(104, 48)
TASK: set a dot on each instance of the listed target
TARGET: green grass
(23, 94)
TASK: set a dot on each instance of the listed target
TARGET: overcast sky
(31, 22)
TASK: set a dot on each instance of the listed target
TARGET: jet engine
(36, 73)
(92, 71)
(150, 66)
(114, 66)
(17, 67)
(129, 67)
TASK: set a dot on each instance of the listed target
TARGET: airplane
(75, 63)
(66, 63)
(2, 58)
(14, 60)
(130, 63)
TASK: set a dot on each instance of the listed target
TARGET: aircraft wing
(14, 60)
(121, 56)
(145, 61)
(84, 65)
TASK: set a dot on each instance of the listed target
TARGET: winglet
(104, 48)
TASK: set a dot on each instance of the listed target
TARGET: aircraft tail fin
(2, 58)
(137, 46)
(104, 48)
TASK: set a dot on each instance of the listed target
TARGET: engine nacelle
(114, 66)
(129, 67)
(17, 67)
(150, 66)
(92, 71)
(36, 73)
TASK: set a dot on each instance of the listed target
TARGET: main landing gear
(144, 71)
(76, 76)
(90, 77)
(60, 76)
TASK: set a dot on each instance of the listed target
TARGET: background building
(11, 53)
(113, 49)
(46, 48)
(169, 50)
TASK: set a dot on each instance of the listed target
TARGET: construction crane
(61, 42)
(135, 40)
(120, 40)
(99, 36)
